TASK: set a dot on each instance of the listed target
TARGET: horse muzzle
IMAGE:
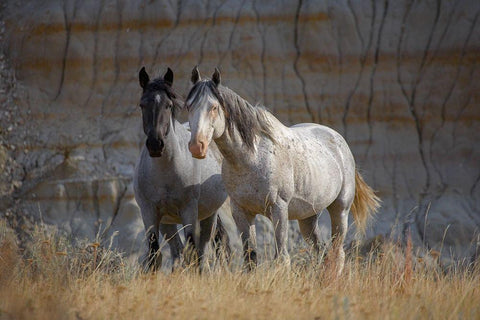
(198, 149)
(155, 147)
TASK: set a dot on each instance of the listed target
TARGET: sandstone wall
(399, 79)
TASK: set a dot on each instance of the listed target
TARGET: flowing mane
(250, 121)
(158, 84)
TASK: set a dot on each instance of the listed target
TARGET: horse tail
(365, 203)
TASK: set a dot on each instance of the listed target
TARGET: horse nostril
(191, 146)
(148, 143)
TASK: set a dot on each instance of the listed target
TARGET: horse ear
(143, 78)
(195, 75)
(216, 77)
(168, 77)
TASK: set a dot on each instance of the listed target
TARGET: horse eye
(214, 108)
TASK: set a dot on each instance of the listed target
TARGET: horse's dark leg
(190, 253)
(207, 230)
(311, 233)
(154, 259)
(172, 236)
(246, 226)
(192, 233)
(221, 241)
(150, 220)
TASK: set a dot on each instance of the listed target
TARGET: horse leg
(221, 239)
(246, 226)
(192, 232)
(207, 230)
(279, 216)
(151, 223)
(154, 260)
(311, 232)
(172, 236)
(339, 220)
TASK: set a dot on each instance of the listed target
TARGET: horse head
(158, 103)
(206, 113)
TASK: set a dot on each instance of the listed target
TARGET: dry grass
(52, 280)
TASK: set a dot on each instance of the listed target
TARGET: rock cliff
(399, 79)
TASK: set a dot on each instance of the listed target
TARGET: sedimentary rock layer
(399, 79)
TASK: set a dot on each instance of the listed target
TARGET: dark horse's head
(158, 104)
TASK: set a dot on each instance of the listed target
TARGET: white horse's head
(206, 113)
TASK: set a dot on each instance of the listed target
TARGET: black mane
(250, 121)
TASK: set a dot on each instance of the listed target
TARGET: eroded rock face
(398, 79)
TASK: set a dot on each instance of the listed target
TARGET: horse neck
(234, 151)
(232, 146)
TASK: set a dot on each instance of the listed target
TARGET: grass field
(50, 279)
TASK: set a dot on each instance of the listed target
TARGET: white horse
(170, 187)
(281, 172)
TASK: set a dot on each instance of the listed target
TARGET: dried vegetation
(51, 279)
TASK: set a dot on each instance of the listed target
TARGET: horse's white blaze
(202, 125)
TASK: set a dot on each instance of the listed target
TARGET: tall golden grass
(51, 279)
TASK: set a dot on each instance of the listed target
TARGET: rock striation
(399, 79)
